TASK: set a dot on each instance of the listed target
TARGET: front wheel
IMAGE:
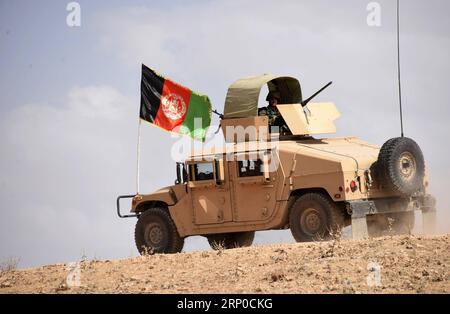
(315, 217)
(156, 232)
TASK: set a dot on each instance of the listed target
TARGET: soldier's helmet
(273, 94)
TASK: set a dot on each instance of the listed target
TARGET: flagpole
(138, 156)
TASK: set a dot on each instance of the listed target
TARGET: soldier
(271, 111)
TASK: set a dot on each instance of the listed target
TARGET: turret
(241, 122)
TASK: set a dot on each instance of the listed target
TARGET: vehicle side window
(201, 172)
(250, 168)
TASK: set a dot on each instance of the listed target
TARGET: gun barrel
(218, 113)
(306, 101)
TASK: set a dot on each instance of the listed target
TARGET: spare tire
(401, 166)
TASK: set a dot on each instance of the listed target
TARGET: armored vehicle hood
(351, 152)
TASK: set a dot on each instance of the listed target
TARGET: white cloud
(62, 167)
(98, 102)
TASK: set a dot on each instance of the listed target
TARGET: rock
(5, 284)
(62, 287)
(277, 276)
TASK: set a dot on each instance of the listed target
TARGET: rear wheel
(314, 216)
(231, 240)
(156, 232)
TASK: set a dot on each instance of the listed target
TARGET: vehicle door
(210, 191)
(254, 186)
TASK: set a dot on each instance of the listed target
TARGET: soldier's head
(273, 98)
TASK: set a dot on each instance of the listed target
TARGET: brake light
(353, 186)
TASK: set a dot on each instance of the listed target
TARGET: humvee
(268, 179)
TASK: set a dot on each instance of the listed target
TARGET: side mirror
(220, 172)
(177, 170)
(185, 174)
(181, 173)
(265, 166)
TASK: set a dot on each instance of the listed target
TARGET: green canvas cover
(242, 97)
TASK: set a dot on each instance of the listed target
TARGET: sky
(69, 100)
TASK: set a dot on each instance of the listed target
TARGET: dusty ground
(408, 264)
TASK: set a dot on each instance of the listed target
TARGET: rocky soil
(395, 264)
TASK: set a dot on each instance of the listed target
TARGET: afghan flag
(173, 107)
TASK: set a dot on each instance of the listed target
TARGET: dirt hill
(402, 264)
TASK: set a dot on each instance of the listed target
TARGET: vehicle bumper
(359, 209)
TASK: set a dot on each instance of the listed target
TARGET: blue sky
(41, 53)
(69, 99)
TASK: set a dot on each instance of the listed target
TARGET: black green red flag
(173, 107)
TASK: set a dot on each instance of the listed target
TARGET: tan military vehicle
(271, 178)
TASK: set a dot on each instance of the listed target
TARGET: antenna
(398, 68)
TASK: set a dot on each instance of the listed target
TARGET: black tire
(314, 217)
(401, 166)
(390, 224)
(156, 232)
(231, 240)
